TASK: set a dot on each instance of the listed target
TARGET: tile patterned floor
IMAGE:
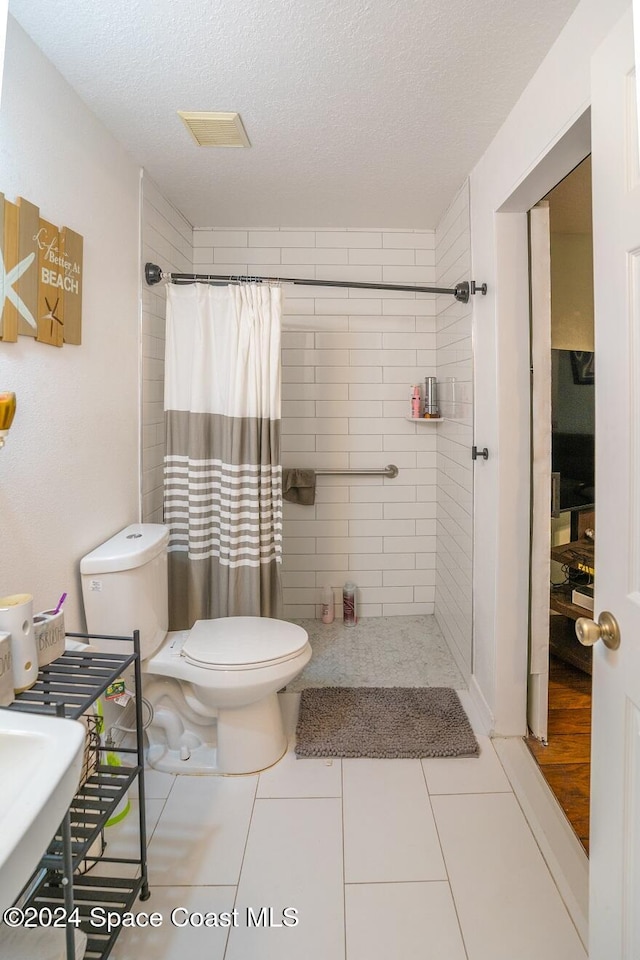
(378, 652)
(407, 859)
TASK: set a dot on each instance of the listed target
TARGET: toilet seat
(242, 643)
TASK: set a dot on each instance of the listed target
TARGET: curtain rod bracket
(462, 291)
(152, 273)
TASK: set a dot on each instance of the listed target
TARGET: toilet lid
(242, 641)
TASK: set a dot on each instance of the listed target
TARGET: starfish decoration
(52, 311)
(7, 292)
(52, 316)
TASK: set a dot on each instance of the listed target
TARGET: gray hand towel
(299, 486)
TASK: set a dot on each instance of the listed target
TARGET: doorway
(563, 478)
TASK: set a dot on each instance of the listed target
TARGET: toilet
(213, 688)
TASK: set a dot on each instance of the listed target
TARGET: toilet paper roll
(6, 670)
(48, 628)
(16, 618)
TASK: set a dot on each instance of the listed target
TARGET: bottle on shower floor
(349, 604)
(328, 611)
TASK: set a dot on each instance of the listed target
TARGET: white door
(538, 685)
(615, 783)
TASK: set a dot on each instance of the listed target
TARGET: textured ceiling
(359, 112)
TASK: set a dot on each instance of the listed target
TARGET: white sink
(40, 763)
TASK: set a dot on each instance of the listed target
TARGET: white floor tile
(157, 784)
(507, 902)
(483, 774)
(292, 778)
(123, 840)
(170, 942)
(293, 859)
(201, 835)
(389, 830)
(408, 921)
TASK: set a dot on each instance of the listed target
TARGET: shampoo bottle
(415, 402)
(431, 398)
(328, 611)
(349, 604)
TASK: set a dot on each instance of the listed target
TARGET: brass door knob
(606, 629)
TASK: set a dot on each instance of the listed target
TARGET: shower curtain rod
(462, 291)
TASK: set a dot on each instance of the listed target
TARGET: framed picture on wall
(582, 366)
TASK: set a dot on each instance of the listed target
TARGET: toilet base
(247, 739)
(203, 762)
(250, 738)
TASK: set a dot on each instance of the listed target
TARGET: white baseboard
(482, 719)
(561, 849)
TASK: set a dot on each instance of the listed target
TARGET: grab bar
(389, 471)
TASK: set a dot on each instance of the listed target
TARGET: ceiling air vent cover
(215, 129)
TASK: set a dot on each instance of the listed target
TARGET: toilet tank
(125, 587)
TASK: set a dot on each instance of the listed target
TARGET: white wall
(167, 240)
(536, 146)
(4, 8)
(349, 358)
(571, 291)
(69, 470)
(454, 561)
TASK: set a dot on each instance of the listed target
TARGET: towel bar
(389, 471)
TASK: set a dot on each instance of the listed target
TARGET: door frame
(513, 309)
(563, 854)
(540, 539)
(503, 669)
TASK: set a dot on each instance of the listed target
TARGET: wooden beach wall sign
(40, 277)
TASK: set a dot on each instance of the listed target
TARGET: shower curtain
(223, 479)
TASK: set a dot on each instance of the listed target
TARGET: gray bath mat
(383, 722)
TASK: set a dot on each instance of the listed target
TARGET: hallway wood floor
(565, 761)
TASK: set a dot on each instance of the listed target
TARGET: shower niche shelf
(424, 419)
(68, 687)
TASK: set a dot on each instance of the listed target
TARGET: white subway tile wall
(349, 359)
(167, 241)
(454, 472)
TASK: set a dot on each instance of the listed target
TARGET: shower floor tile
(378, 652)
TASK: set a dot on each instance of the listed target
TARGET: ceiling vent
(215, 129)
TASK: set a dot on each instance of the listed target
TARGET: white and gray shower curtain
(223, 480)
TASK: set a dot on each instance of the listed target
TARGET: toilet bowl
(213, 689)
(214, 694)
